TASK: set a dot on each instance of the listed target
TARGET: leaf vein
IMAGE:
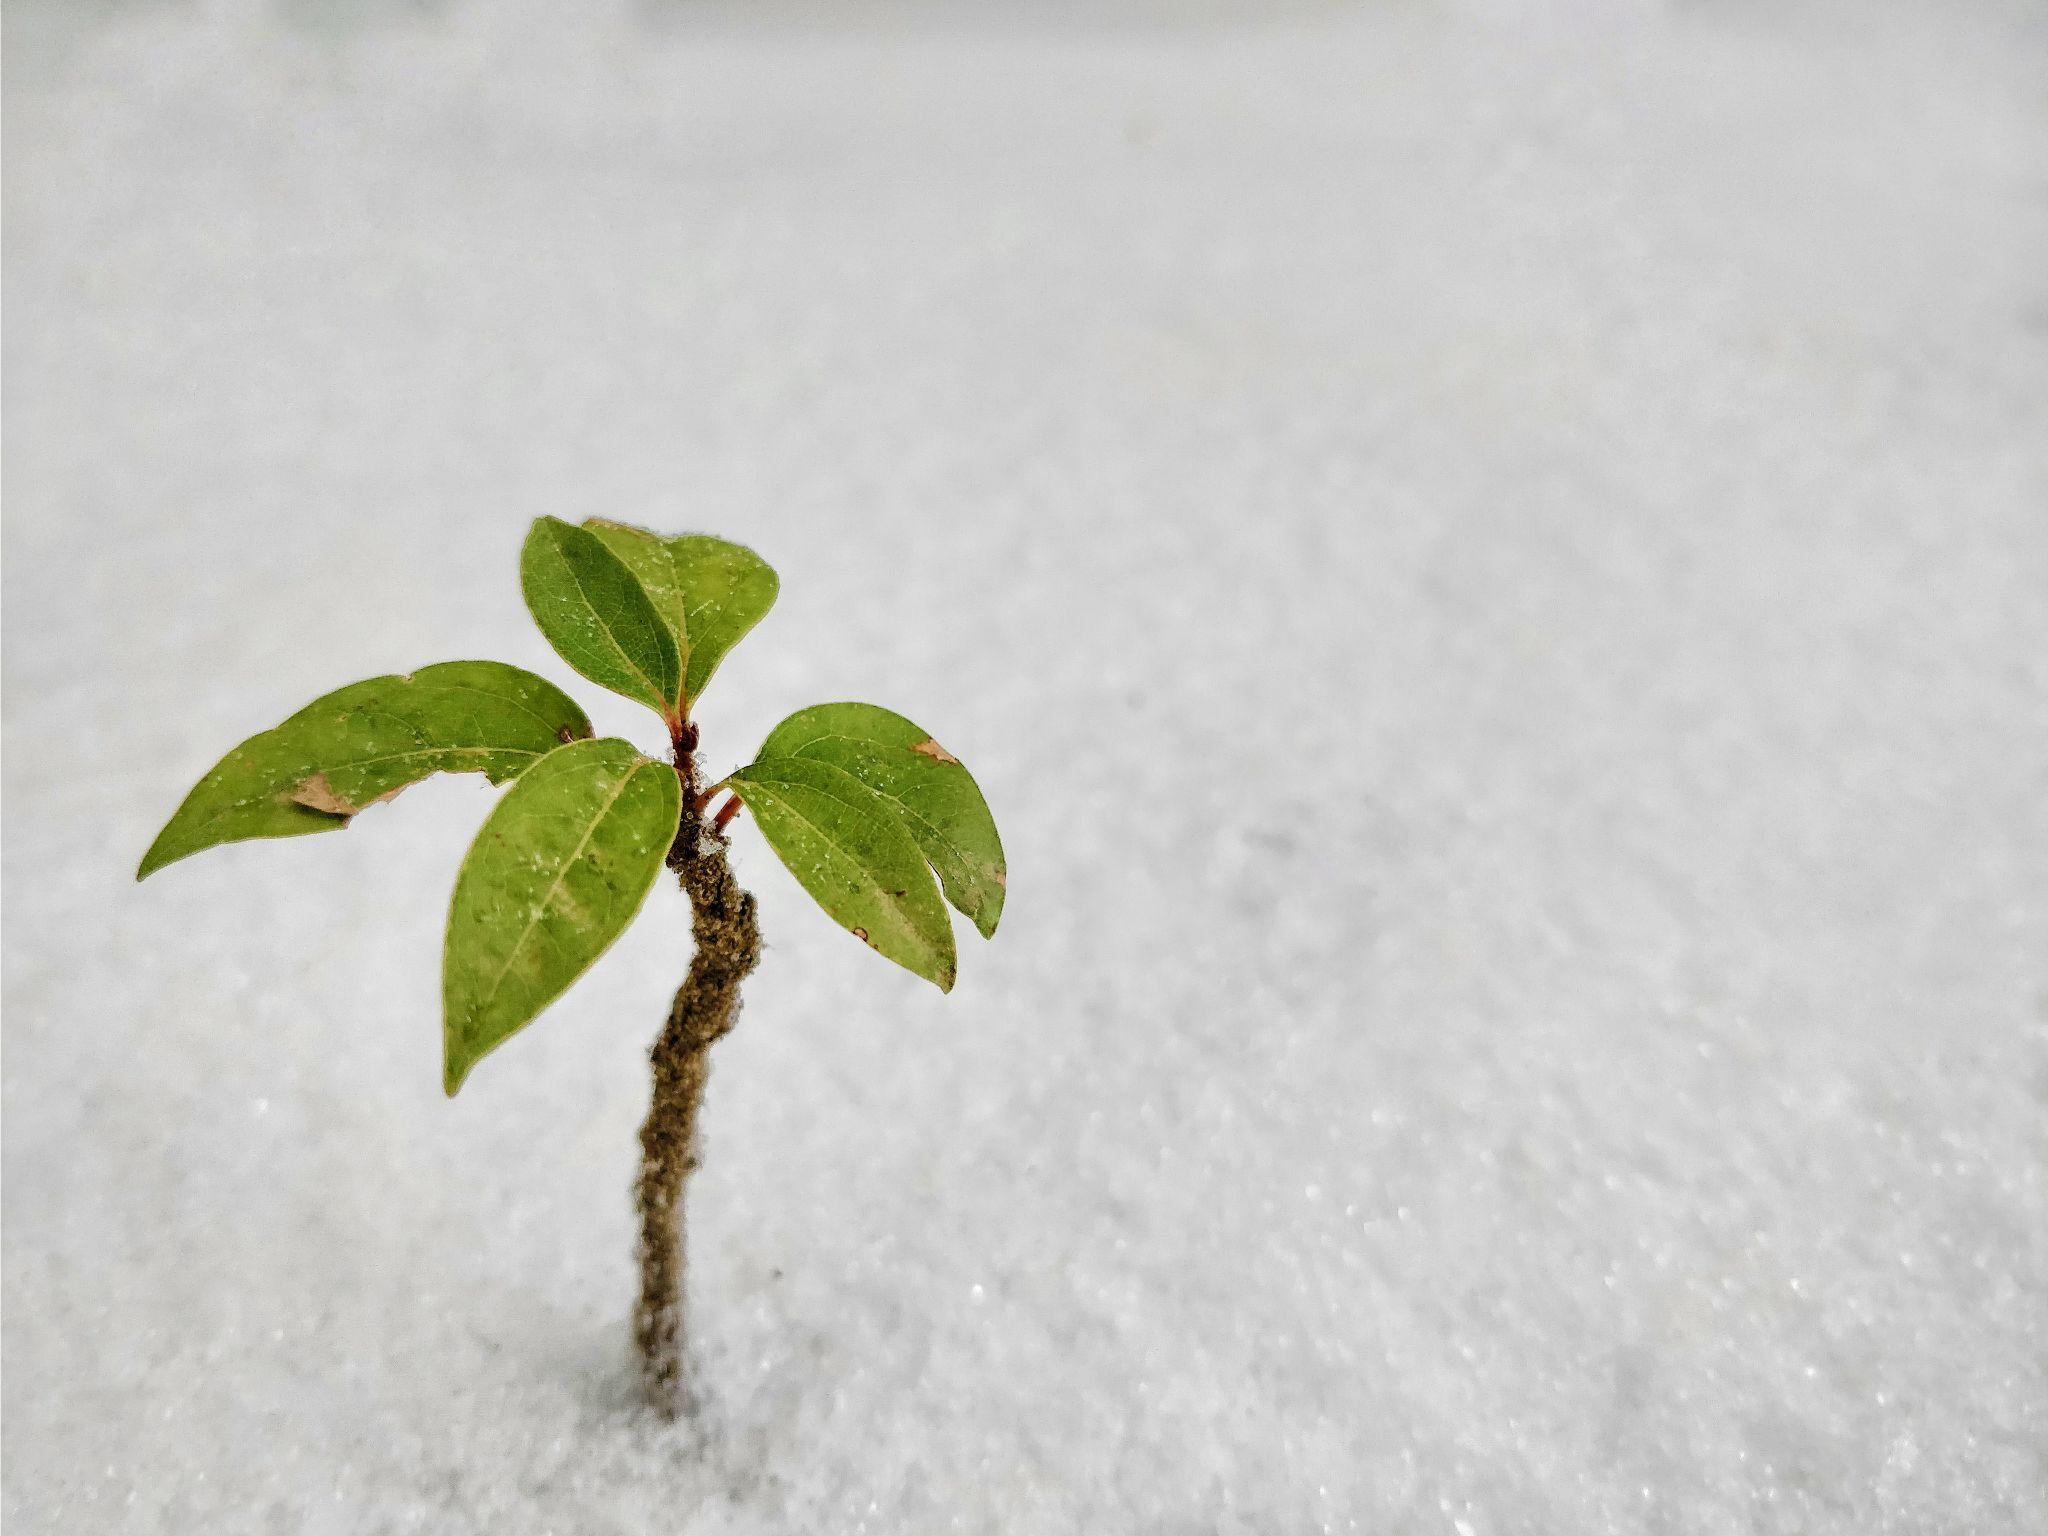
(561, 874)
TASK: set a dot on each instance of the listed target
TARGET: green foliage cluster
(878, 822)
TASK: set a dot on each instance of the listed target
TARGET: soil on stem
(728, 945)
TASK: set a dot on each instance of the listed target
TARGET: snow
(1491, 559)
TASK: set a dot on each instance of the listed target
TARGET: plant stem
(728, 941)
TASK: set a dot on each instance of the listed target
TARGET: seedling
(863, 807)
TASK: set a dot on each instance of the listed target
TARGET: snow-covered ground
(1493, 562)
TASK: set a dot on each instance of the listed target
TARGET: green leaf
(598, 617)
(727, 590)
(646, 555)
(936, 797)
(558, 870)
(363, 743)
(709, 592)
(845, 846)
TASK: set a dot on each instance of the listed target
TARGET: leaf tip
(155, 859)
(987, 909)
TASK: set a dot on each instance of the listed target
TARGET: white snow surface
(1492, 561)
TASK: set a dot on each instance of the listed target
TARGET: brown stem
(728, 943)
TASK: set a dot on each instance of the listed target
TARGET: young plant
(862, 806)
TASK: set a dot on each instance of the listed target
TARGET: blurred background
(1491, 558)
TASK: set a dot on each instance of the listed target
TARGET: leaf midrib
(505, 698)
(360, 762)
(910, 812)
(604, 623)
(675, 582)
(561, 874)
(882, 892)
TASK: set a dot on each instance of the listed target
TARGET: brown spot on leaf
(317, 794)
(934, 751)
(1003, 879)
(568, 733)
(862, 935)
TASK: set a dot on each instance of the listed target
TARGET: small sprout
(878, 822)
